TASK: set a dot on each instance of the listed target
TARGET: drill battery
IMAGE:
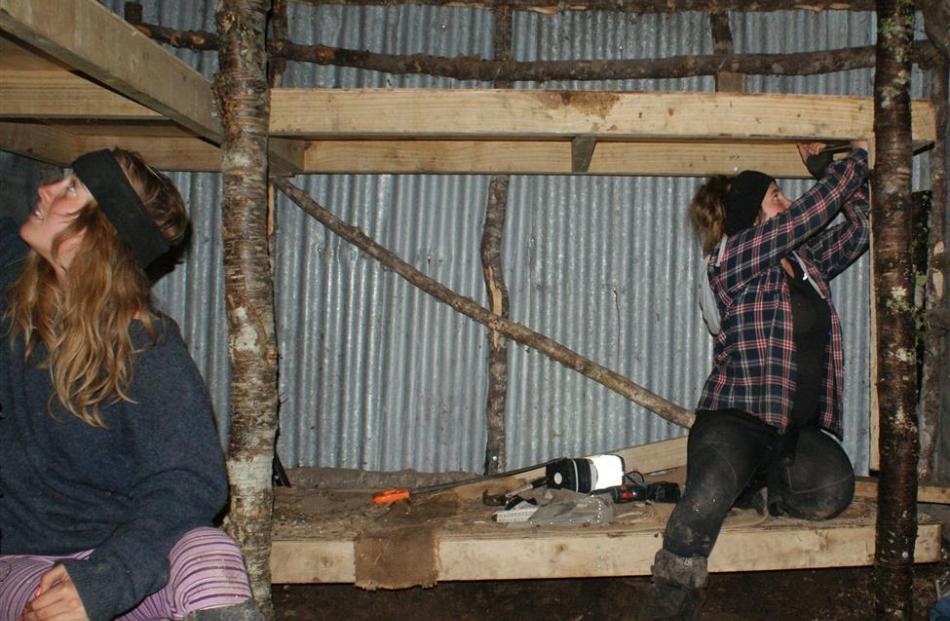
(630, 491)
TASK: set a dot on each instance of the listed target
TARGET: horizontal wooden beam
(866, 487)
(59, 94)
(84, 35)
(546, 114)
(165, 152)
(551, 157)
(40, 142)
(588, 553)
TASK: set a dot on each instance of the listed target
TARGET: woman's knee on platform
(820, 499)
(207, 571)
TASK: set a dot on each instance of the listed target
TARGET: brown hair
(707, 211)
(85, 327)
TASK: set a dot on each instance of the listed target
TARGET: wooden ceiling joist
(59, 94)
(58, 62)
(532, 131)
(564, 114)
(692, 158)
(85, 36)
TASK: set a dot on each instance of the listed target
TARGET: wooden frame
(63, 94)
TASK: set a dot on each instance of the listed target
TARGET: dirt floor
(803, 595)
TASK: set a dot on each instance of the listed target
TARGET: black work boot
(677, 590)
(245, 611)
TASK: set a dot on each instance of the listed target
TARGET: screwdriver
(396, 494)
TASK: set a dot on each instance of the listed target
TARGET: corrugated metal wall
(376, 375)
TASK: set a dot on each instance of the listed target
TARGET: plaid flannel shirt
(754, 367)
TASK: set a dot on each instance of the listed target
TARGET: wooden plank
(85, 35)
(40, 142)
(164, 153)
(59, 94)
(311, 562)
(585, 553)
(459, 113)
(866, 487)
(13, 55)
(698, 158)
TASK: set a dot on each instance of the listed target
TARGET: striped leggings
(206, 570)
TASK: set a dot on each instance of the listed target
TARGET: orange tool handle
(389, 496)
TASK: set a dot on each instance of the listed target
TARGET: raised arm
(837, 247)
(759, 248)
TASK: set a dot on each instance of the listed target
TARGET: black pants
(809, 476)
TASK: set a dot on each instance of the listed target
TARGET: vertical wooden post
(244, 101)
(935, 345)
(492, 241)
(894, 283)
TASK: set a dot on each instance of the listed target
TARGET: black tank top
(811, 324)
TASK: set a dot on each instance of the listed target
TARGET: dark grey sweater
(129, 491)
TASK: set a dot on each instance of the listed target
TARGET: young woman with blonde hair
(770, 413)
(111, 471)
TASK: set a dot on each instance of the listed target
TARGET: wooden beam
(866, 487)
(510, 114)
(587, 553)
(58, 94)
(695, 158)
(41, 142)
(85, 35)
(164, 152)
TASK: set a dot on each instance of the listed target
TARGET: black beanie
(744, 199)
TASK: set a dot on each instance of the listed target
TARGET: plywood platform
(316, 534)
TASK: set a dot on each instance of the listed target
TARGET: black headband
(103, 177)
(744, 199)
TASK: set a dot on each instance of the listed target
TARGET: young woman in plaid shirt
(771, 407)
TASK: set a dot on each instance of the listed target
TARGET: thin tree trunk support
(243, 98)
(469, 307)
(894, 304)
(492, 240)
(493, 235)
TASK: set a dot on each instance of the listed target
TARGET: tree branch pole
(935, 344)
(469, 307)
(625, 6)
(891, 217)
(243, 99)
(493, 236)
(473, 68)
